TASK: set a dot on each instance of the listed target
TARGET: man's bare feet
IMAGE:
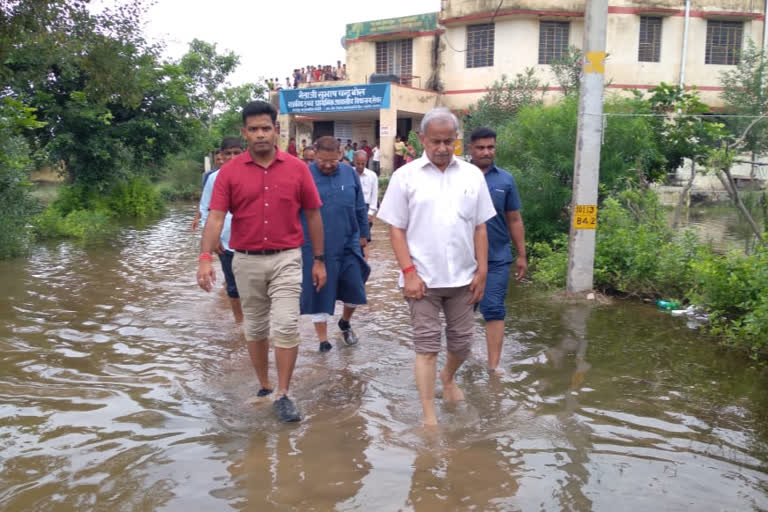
(451, 392)
(497, 372)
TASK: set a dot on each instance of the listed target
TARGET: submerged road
(123, 386)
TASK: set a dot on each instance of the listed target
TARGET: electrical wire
(495, 13)
(703, 116)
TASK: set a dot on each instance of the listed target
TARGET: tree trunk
(683, 195)
(753, 170)
(740, 205)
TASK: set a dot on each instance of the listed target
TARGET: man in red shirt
(264, 189)
(292, 147)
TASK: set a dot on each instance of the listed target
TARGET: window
(553, 40)
(650, 39)
(342, 130)
(723, 42)
(480, 45)
(395, 58)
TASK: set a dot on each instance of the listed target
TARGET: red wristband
(205, 256)
(412, 268)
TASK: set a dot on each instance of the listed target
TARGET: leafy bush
(135, 198)
(538, 146)
(16, 204)
(504, 99)
(170, 192)
(734, 290)
(383, 184)
(413, 140)
(549, 262)
(636, 253)
(82, 224)
(83, 213)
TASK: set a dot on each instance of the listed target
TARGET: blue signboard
(334, 99)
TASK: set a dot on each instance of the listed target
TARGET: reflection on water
(124, 387)
(721, 226)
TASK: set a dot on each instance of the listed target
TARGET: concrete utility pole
(586, 169)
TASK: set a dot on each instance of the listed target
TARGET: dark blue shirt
(505, 198)
(344, 213)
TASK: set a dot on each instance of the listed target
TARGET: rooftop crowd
(309, 74)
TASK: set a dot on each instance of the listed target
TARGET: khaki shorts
(459, 320)
(270, 286)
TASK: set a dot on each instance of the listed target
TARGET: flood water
(124, 387)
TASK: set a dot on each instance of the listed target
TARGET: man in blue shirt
(230, 148)
(506, 226)
(345, 223)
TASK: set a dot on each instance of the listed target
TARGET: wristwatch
(320, 257)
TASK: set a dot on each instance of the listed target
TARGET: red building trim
(680, 12)
(399, 35)
(707, 88)
(513, 12)
(611, 10)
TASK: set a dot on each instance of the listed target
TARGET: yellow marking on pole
(585, 216)
(595, 62)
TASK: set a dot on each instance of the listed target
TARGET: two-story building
(452, 57)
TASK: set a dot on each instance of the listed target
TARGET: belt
(264, 252)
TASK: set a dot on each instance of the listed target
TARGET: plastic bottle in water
(668, 304)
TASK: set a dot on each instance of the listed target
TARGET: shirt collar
(279, 156)
(424, 161)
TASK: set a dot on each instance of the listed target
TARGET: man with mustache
(505, 226)
(265, 189)
(345, 221)
(437, 207)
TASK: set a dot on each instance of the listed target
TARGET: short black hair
(230, 142)
(482, 133)
(327, 143)
(259, 108)
(217, 151)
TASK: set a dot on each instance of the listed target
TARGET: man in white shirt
(375, 158)
(370, 183)
(437, 206)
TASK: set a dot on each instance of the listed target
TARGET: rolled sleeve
(394, 206)
(485, 209)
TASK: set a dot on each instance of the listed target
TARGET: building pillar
(387, 132)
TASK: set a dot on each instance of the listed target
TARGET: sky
(271, 37)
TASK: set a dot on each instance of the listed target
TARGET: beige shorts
(270, 287)
(459, 320)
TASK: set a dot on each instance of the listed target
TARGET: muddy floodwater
(124, 387)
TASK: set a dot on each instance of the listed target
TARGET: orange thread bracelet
(412, 268)
(205, 256)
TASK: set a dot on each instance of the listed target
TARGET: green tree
(111, 106)
(745, 93)
(16, 205)
(504, 99)
(538, 145)
(568, 71)
(208, 71)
